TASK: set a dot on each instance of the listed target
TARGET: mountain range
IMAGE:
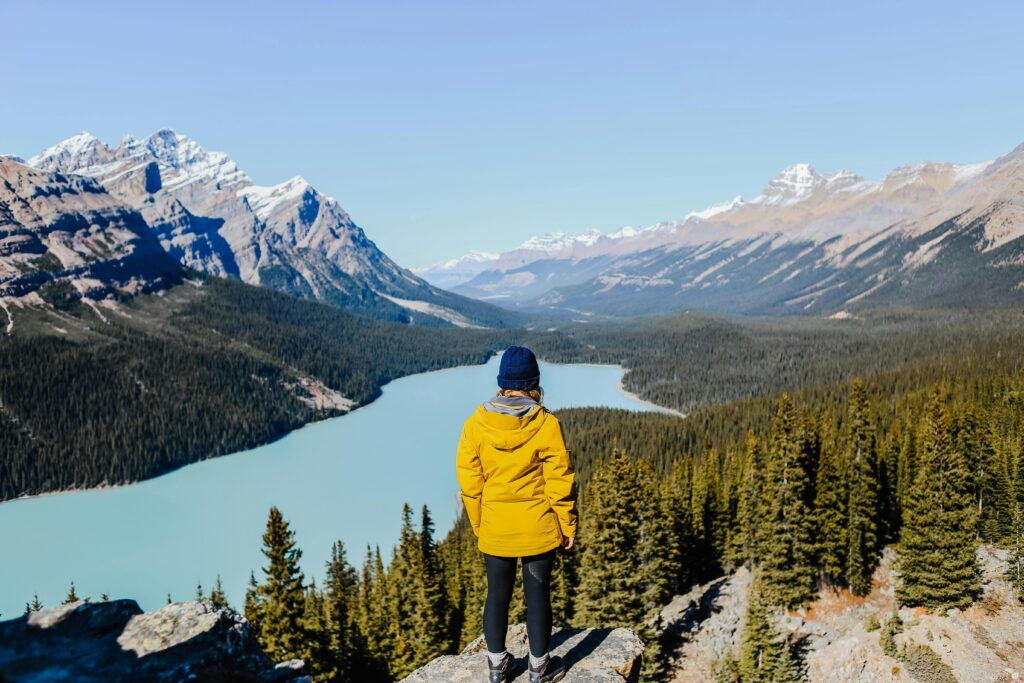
(932, 234)
(209, 216)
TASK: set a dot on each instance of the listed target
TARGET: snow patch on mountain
(434, 310)
(716, 209)
(264, 200)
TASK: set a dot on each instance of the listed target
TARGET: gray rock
(592, 655)
(115, 641)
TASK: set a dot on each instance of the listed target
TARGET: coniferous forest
(785, 463)
(804, 489)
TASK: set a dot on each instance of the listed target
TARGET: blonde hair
(536, 394)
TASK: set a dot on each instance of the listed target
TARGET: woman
(519, 490)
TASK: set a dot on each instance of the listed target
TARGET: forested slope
(805, 490)
(201, 371)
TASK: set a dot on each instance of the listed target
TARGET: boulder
(116, 641)
(592, 655)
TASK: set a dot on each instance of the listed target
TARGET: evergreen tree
(430, 621)
(887, 636)
(888, 482)
(787, 667)
(906, 467)
(751, 511)
(72, 596)
(404, 585)
(705, 508)
(937, 562)
(253, 608)
(372, 619)
(830, 513)
(615, 576)
(217, 596)
(316, 649)
(988, 477)
(679, 521)
(36, 604)
(787, 568)
(758, 650)
(861, 459)
(281, 597)
(199, 591)
(1015, 571)
(343, 642)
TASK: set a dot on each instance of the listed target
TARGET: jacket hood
(506, 432)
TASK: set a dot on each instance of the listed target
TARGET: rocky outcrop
(592, 655)
(838, 635)
(67, 230)
(115, 641)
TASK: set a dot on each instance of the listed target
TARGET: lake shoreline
(106, 486)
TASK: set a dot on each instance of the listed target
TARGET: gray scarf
(516, 406)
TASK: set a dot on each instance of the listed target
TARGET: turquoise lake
(340, 479)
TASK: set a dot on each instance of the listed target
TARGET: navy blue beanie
(518, 369)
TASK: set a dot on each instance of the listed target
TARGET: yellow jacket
(517, 482)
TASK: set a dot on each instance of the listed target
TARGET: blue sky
(448, 126)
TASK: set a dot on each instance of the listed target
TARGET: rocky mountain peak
(78, 151)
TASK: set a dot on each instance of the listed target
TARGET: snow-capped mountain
(63, 237)
(932, 233)
(209, 215)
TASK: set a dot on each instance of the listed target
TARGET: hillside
(210, 216)
(95, 395)
(931, 234)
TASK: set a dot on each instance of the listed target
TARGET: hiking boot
(552, 671)
(501, 673)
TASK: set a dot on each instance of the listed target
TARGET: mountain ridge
(804, 233)
(211, 216)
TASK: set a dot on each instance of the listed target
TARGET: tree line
(807, 503)
(147, 394)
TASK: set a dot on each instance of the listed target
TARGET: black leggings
(501, 578)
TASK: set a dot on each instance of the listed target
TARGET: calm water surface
(344, 478)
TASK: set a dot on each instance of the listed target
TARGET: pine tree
(988, 477)
(757, 649)
(281, 596)
(403, 598)
(830, 513)
(253, 608)
(937, 564)
(679, 521)
(316, 650)
(788, 568)
(906, 467)
(217, 597)
(861, 459)
(72, 596)
(705, 507)
(1015, 571)
(343, 642)
(611, 590)
(36, 604)
(888, 482)
(372, 619)
(199, 591)
(430, 620)
(655, 570)
(751, 511)
(564, 579)
(787, 667)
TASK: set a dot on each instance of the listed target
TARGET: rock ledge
(116, 641)
(593, 655)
